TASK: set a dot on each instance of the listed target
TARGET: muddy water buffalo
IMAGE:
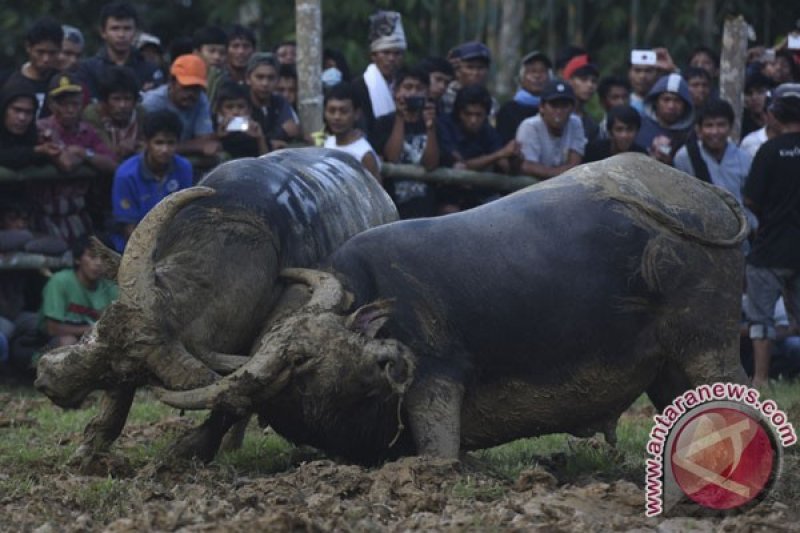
(550, 310)
(197, 277)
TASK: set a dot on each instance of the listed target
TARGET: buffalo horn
(328, 293)
(137, 260)
(264, 375)
(177, 369)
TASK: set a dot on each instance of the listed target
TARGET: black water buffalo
(197, 277)
(550, 310)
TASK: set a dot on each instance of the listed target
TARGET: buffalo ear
(370, 318)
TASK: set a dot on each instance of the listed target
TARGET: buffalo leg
(203, 441)
(105, 427)
(434, 410)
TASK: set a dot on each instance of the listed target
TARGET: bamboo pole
(732, 68)
(451, 176)
(309, 64)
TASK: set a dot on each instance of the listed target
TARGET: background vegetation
(605, 27)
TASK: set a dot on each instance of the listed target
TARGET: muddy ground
(316, 494)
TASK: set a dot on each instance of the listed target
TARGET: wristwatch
(89, 154)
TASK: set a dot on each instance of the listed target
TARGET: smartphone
(769, 55)
(643, 57)
(793, 42)
(415, 103)
(237, 124)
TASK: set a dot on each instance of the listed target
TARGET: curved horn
(137, 260)
(329, 295)
(107, 256)
(263, 376)
(223, 362)
(174, 366)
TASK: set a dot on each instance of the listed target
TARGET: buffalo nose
(394, 366)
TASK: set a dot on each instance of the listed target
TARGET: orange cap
(189, 70)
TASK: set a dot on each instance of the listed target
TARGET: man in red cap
(185, 96)
(582, 76)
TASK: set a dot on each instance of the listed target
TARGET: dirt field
(135, 491)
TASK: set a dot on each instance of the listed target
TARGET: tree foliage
(605, 27)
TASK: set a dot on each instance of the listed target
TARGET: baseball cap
(473, 50)
(64, 83)
(536, 55)
(145, 39)
(786, 94)
(580, 66)
(189, 69)
(557, 90)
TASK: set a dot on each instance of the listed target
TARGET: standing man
(118, 21)
(534, 74)
(241, 45)
(71, 48)
(185, 96)
(582, 76)
(667, 118)
(42, 44)
(772, 191)
(642, 77)
(387, 48)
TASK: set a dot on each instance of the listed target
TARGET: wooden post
(507, 53)
(309, 64)
(732, 68)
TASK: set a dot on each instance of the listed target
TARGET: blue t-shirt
(136, 190)
(196, 121)
(469, 146)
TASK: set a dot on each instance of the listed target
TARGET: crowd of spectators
(135, 122)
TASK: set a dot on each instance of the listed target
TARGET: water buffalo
(197, 277)
(550, 310)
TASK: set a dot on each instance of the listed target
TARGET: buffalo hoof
(93, 463)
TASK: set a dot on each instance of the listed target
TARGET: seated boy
(341, 113)
(622, 124)
(73, 298)
(146, 178)
(240, 135)
(553, 141)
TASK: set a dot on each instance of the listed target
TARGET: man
(642, 77)
(472, 68)
(613, 91)
(772, 191)
(409, 136)
(42, 44)
(440, 74)
(19, 146)
(286, 53)
(582, 76)
(534, 73)
(185, 96)
(341, 114)
(757, 89)
(118, 22)
(146, 178)
(667, 118)
(387, 48)
(622, 123)
(700, 84)
(553, 141)
(116, 117)
(287, 84)
(73, 299)
(713, 157)
(211, 44)
(241, 45)
(278, 121)
(71, 48)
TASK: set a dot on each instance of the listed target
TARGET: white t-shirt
(539, 146)
(357, 149)
(753, 141)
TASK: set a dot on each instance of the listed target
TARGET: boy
(116, 116)
(240, 135)
(274, 114)
(582, 76)
(73, 299)
(341, 112)
(713, 157)
(613, 91)
(699, 82)
(622, 125)
(145, 179)
(42, 44)
(553, 141)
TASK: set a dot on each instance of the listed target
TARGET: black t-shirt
(601, 148)
(773, 185)
(39, 87)
(510, 116)
(413, 198)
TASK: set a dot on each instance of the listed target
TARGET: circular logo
(723, 458)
